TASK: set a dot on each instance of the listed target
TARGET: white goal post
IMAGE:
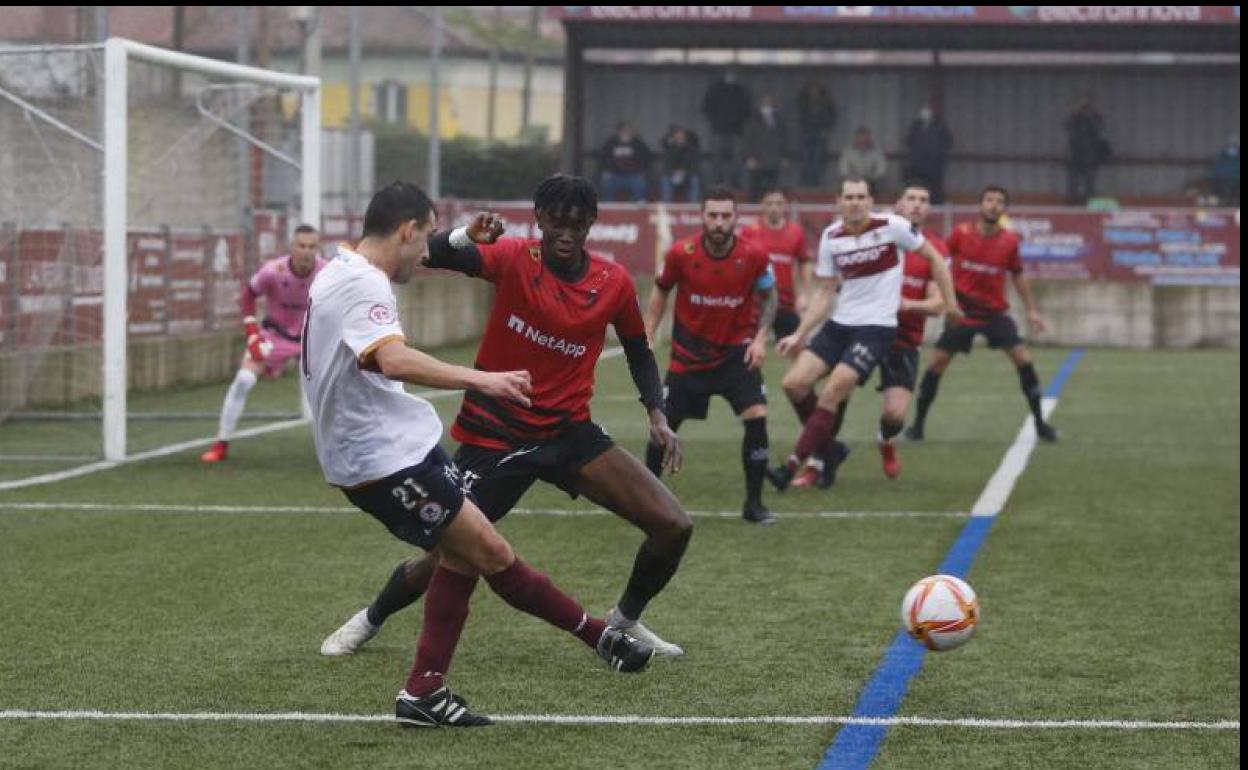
(118, 55)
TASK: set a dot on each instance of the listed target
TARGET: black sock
(889, 428)
(754, 456)
(407, 583)
(1029, 381)
(927, 394)
(656, 562)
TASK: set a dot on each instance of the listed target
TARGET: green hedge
(469, 168)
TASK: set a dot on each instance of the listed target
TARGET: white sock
(235, 400)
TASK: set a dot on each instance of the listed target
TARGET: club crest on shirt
(535, 253)
(689, 247)
(382, 315)
(432, 512)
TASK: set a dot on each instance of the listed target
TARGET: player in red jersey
(785, 245)
(983, 254)
(554, 301)
(725, 306)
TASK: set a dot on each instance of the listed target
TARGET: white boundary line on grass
(626, 720)
(312, 509)
(171, 449)
(992, 501)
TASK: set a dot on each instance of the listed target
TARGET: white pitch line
(312, 509)
(995, 495)
(165, 451)
(630, 720)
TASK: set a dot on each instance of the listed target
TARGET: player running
(920, 298)
(785, 245)
(983, 253)
(725, 306)
(283, 282)
(380, 446)
(553, 305)
(863, 254)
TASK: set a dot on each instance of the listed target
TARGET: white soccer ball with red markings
(940, 611)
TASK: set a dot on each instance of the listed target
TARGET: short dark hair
(561, 193)
(859, 180)
(719, 193)
(919, 184)
(776, 189)
(393, 205)
(305, 230)
(997, 189)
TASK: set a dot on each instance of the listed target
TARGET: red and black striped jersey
(551, 327)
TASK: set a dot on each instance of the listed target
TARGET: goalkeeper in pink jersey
(284, 283)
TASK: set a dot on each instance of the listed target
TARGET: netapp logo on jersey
(526, 330)
(705, 301)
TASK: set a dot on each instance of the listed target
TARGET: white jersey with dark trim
(870, 265)
(364, 425)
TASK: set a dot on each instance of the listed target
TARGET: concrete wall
(436, 309)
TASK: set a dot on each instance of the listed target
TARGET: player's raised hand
(485, 227)
(509, 386)
(662, 434)
(789, 346)
(756, 354)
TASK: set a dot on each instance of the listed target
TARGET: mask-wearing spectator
(816, 117)
(928, 144)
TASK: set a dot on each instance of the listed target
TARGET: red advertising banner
(909, 14)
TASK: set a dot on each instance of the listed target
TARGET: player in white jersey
(380, 446)
(864, 255)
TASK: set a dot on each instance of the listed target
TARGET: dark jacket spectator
(766, 147)
(682, 153)
(625, 159)
(816, 118)
(928, 144)
(1224, 181)
(726, 106)
(1088, 150)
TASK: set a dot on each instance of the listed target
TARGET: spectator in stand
(767, 147)
(928, 143)
(1224, 181)
(625, 160)
(816, 117)
(681, 157)
(727, 107)
(1088, 151)
(862, 159)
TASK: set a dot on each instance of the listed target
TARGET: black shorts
(861, 348)
(1000, 329)
(687, 395)
(787, 321)
(416, 503)
(497, 478)
(899, 369)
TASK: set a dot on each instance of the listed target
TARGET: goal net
(139, 187)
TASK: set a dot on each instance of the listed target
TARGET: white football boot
(642, 634)
(353, 634)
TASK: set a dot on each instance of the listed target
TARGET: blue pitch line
(856, 746)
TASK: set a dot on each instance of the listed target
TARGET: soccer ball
(940, 611)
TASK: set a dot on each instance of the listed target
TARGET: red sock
(530, 591)
(817, 435)
(446, 610)
(805, 407)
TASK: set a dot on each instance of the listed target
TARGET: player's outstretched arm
(944, 281)
(457, 250)
(769, 301)
(397, 361)
(644, 370)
